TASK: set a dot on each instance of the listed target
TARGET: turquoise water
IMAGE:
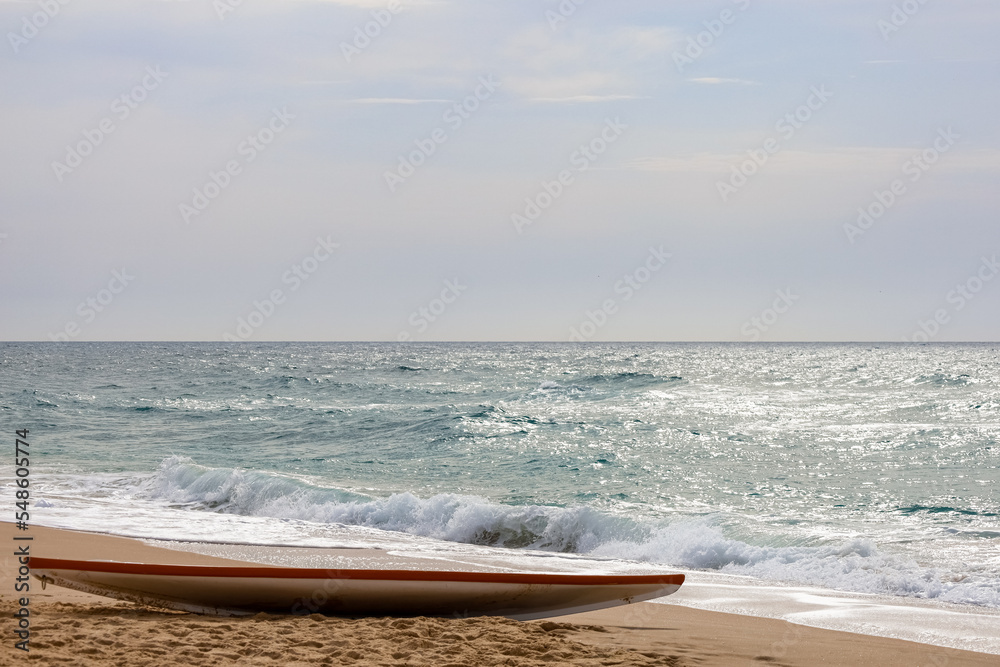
(869, 468)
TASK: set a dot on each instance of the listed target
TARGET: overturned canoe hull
(238, 590)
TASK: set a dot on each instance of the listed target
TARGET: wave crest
(699, 544)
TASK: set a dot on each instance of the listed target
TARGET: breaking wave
(701, 544)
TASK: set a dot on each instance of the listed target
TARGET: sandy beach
(73, 628)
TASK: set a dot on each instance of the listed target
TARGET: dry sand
(72, 628)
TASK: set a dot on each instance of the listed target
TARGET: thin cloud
(586, 98)
(714, 80)
(397, 100)
(848, 160)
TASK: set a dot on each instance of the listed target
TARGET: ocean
(865, 468)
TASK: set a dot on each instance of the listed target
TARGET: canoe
(238, 590)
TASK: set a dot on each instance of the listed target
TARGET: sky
(449, 170)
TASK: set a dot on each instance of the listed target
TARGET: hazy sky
(500, 170)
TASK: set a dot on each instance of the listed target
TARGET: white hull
(247, 590)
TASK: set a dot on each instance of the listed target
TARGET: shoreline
(667, 633)
(933, 622)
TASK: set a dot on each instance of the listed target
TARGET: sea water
(866, 468)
